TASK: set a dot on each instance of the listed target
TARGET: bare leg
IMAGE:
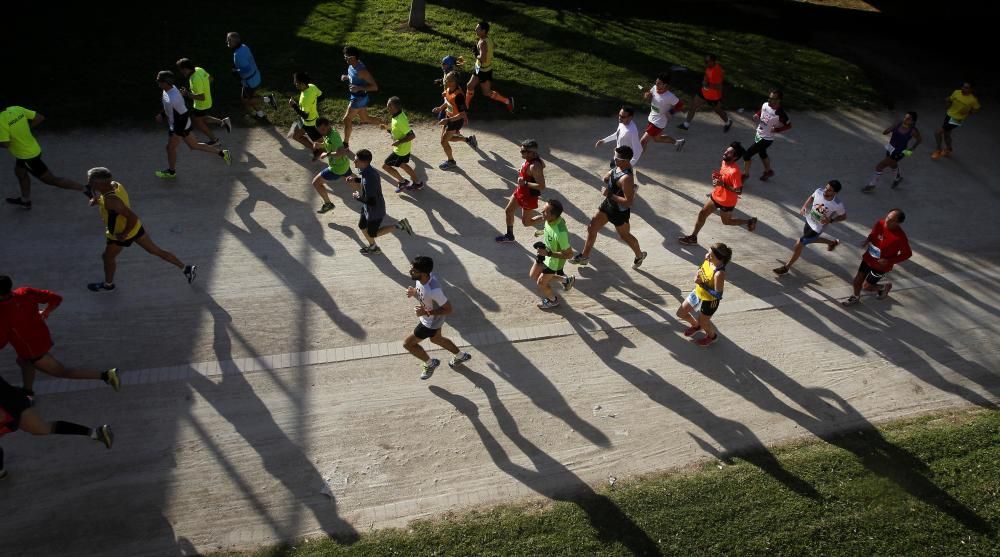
(543, 285)
(111, 252)
(51, 366)
(202, 125)
(320, 186)
(24, 182)
(59, 182)
(628, 238)
(596, 224)
(728, 220)
(147, 244)
(172, 151)
(706, 325)
(444, 342)
(696, 103)
(684, 312)
(412, 345)
(391, 171)
(703, 215)
(193, 144)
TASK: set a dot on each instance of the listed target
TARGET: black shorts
(709, 307)
(947, 125)
(896, 156)
(871, 275)
(808, 234)
(181, 127)
(397, 160)
(312, 132)
(200, 112)
(248, 92)
(14, 402)
(127, 243)
(616, 216)
(723, 208)
(422, 332)
(758, 147)
(709, 102)
(371, 226)
(484, 76)
(455, 125)
(35, 166)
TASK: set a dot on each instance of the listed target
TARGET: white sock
(260, 113)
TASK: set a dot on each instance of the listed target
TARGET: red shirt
(729, 173)
(22, 326)
(713, 76)
(887, 244)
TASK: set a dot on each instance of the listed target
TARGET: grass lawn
(927, 486)
(555, 58)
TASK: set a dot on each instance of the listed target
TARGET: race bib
(889, 148)
(694, 301)
(874, 251)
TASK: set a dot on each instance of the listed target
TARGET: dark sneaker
(766, 175)
(404, 185)
(326, 208)
(684, 126)
(548, 304)
(429, 367)
(868, 189)
(568, 283)
(459, 359)
(417, 186)
(504, 238)
(883, 292)
(783, 270)
(213, 142)
(370, 250)
(104, 435)
(752, 225)
(448, 165)
(833, 245)
(404, 225)
(579, 259)
(191, 272)
(688, 240)
(19, 202)
(850, 301)
(638, 261)
(725, 128)
(100, 287)
(472, 141)
(111, 378)
(896, 181)
(228, 124)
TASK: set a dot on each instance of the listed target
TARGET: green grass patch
(926, 486)
(555, 58)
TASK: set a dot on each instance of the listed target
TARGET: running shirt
(706, 279)
(729, 174)
(354, 78)
(899, 139)
(454, 101)
(175, 109)
(627, 135)
(22, 326)
(200, 83)
(885, 243)
(308, 99)
(961, 105)
(713, 76)
(823, 207)
(245, 64)
(339, 165)
(769, 118)
(371, 194)
(15, 128)
(114, 223)
(556, 239)
(487, 62)
(525, 174)
(431, 297)
(659, 107)
(615, 188)
(399, 127)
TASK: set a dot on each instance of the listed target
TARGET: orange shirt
(729, 173)
(713, 76)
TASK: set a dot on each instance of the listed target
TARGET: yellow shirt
(962, 105)
(487, 63)
(706, 276)
(307, 103)
(15, 128)
(201, 84)
(119, 224)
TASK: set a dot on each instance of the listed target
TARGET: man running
(22, 324)
(823, 208)
(662, 104)
(961, 104)
(307, 108)
(483, 73)
(625, 135)
(360, 82)
(369, 192)
(433, 307)
(179, 126)
(530, 183)
(402, 143)
(16, 123)
(338, 159)
(887, 246)
(200, 92)
(551, 255)
(122, 228)
(710, 93)
(770, 119)
(245, 67)
(619, 195)
(728, 185)
(455, 116)
(707, 294)
(897, 148)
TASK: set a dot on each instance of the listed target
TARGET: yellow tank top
(487, 63)
(706, 276)
(119, 224)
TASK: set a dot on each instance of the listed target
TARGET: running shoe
(405, 226)
(504, 238)
(166, 174)
(833, 246)
(679, 144)
(690, 331)
(896, 181)
(783, 270)
(548, 304)
(111, 378)
(936, 154)
(705, 341)
(227, 157)
(370, 250)
(850, 301)
(100, 287)
(459, 359)
(945, 152)
(579, 259)
(228, 124)
(472, 141)
(326, 208)
(729, 124)
(510, 104)
(539, 233)
(766, 175)
(191, 272)
(868, 189)
(429, 367)
(684, 126)
(448, 165)
(688, 240)
(104, 435)
(752, 225)
(568, 283)
(404, 185)
(213, 142)
(883, 291)
(19, 202)
(417, 186)
(638, 260)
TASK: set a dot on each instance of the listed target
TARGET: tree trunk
(418, 9)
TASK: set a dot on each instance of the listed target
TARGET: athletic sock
(260, 113)
(510, 231)
(69, 428)
(498, 97)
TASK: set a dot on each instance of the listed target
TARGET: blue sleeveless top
(354, 79)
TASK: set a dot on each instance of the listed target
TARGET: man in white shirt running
(821, 209)
(179, 126)
(663, 103)
(432, 309)
(625, 134)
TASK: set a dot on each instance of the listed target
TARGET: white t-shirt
(173, 106)
(770, 118)
(822, 207)
(659, 107)
(431, 297)
(627, 135)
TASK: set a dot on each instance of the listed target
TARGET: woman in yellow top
(707, 294)
(122, 228)
(961, 104)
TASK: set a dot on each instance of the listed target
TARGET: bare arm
(37, 120)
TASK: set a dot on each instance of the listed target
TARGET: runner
(710, 93)
(886, 245)
(360, 83)
(897, 148)
(338, 158)
(433, 308)
(662, 104)
(15, 134)
(122, 228)
(455, 116)
(530, 183)
(707, 294)
(402, 142)
(200, 92)
(179, 126)
(821, 209)
(307, 109)
(245, 67)
(551, 255)
(619, 195)
(368, 188)
(483, 74)
(625, 135)
(22, 324)
(961, 104)
(450, 64)
(16, 413)
(728, 186)
(770, 119)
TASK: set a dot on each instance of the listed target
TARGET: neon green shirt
(332, 142)
(961, 105)
(15, 127)
(201, 84)
(556, 239)
(400, 128)
(308, 103)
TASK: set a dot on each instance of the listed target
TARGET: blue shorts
(808, 235)
(359, 102)
(329, 175)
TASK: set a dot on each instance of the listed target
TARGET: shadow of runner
(549, 476)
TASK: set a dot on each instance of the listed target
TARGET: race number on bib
(889, 148)
(874, 251)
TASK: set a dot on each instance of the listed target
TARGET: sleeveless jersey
(119, 224)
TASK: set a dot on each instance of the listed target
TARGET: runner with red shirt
(22, 324)
(887, 246)
(710, 94)
(530, 183)
(728, 186)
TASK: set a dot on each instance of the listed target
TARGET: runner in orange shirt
(710, 93)
(728, 184)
